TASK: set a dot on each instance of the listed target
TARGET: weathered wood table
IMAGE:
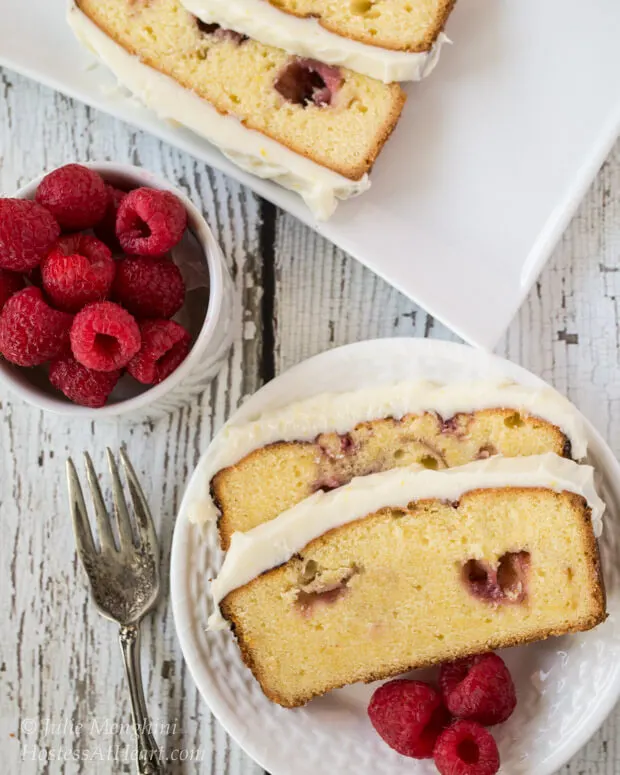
(62, 690)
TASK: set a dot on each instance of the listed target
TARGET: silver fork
(124, 580)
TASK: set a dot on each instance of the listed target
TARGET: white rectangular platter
(491, 157)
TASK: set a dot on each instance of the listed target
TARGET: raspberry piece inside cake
(505, 582)
(307, 82)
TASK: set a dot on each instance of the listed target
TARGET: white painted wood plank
(59, 661)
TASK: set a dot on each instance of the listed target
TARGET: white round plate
(566, 686)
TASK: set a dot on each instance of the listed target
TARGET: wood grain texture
(59, 660)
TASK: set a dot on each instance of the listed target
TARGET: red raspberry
(466, 748)
(81, 385)
(10, 283)
(75, 195)
(150, 222)
(149, 287)
(79, 269)
(479, 689)
(104, 336)
(31, 332)
(27, 233)
(165, 345)
(106, 229)
(409, 716)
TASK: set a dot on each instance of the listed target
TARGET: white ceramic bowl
(211, 326)
(565, 686)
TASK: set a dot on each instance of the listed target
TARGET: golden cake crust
(423, 44)
(391, 96)
(593, 613)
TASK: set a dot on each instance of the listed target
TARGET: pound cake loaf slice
(391, 40)
(313, 128)
(322, 443)
(410, 568)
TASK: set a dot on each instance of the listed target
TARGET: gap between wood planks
(267, 246)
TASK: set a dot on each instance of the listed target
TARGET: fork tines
(141, 534)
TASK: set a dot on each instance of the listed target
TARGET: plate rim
(180, 540)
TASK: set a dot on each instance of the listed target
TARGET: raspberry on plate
(409, 716)
(81, 385)
(150, 222)
(31, 332)
(27, 232)
(105, 230)
(104, 336)
(78, 270)
(479, 689)
(75, 195)
(10, 283)
(466, 748)
(149, 287)
(165, 345)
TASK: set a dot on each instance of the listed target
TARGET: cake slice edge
(306, 37)
(250, 150)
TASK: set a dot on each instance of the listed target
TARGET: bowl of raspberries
(114, 295)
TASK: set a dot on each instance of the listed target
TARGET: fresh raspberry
(149, 287)
(409, 716)
(75, 196)
(10, 283)
(466, 748)
(27, 233)
(31, 332)
(105, 230)
(479, 689)
(165, 345)
(81, 385)
(104, 336)
(150, 222)
(79, 269)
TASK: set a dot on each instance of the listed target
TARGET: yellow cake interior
(404, 25)
(404, 588)
(276, 477)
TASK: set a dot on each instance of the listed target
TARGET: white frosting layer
(262, 21)
(254, 152)
(273, 543)
(340, 412)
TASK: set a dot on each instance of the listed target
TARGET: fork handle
(148, 752)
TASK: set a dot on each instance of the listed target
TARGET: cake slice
(265, 467)
(409, 568)
(391, 40)
(314, 128)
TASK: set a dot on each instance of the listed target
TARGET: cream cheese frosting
(273, 543)
(262, 21)
(320, 187)
(340, 412)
